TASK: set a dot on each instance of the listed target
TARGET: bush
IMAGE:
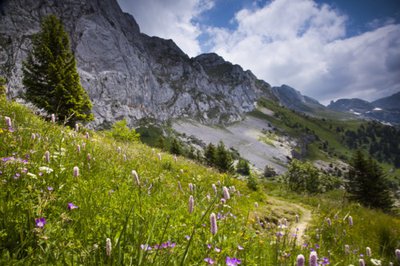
(243, 167)
(120, 131)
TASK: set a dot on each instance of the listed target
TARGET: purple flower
(209, 246)
(187, 237)
(40, 222)
(50, 188)
(313, 258)
(350, 220)
(213, 222)
(209, 261)
(232, 261)
(325, 261)
(72, 206)
(218, 250)
(361, 262)
(226, 193)
(397, 252)
(145, 247)
(76, 171)
(191, 204)
(300, 260)
(240, 247)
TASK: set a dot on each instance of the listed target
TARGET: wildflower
(50, 188)
(33, 136)
(325, 261)
(180, 186)
(87, 135)
(213, 223)
(135, 175)
(108, 247)
(313, 258)
(368, 252)
(187, 237)
(191, 187)
(175, 158)
(209, 261)
(347, 249)
(76, 127)
(47, 156)
(297, 218)
(208, 197)
(159, 156)
(72, 206)
(76, 171)
(95, 247)
(397, 252)
(53, 118)
(328, 221)
(209, 246)
(240, 247)
(124, 157)
(191, 204)
(217, 249)
(223, 201)
(376, 262)
(232, 261)
(256, 204)
(45, 169)
(232, 189)
(214, 188)
(300, 260)
(226, 193)
(78, 148)
(145, 247)
(119, 149)
(350, 220)
(89, 157)
(40, 222)
(8, 121)
(361, 262)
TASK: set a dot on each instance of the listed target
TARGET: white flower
(376, 262)
(45, 169)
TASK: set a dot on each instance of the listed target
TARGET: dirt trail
(300, 227)
(305, 216)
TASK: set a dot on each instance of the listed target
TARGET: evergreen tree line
(381, 141)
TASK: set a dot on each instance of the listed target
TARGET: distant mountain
(128, 74)
(389, 103)
(385, 110)
(294, 100)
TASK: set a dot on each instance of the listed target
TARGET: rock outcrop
(127, 73)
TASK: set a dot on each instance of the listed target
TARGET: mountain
(385, 110)
(127, 73)
(389, 103)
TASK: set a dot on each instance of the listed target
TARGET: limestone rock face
(127, 73)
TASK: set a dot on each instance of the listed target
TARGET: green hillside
(69, 197)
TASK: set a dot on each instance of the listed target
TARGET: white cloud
(170, 19)
(303, 44)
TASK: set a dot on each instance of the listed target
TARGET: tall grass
(146, 222)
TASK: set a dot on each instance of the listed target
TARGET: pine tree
(367, 183)
(224, 159)
(210, 154)
(175, 147)
(50, 75)
(243, 167)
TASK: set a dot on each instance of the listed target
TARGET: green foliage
(224, 161)
(176, 147)
(2, 87)
(121, 132)
(210, 154)
(112, 204)
(367, 183)
(269, 171)
(50, 75)
(304, 177)
(252, 183)
(243, 167)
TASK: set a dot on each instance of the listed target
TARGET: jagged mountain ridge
(127, 73)
(386, 109)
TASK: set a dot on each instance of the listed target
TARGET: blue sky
(327, 49)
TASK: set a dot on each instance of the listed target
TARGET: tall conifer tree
(367, 183)
(50, 75)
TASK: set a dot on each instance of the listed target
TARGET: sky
(326, 49)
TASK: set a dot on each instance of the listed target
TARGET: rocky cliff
(127, 73)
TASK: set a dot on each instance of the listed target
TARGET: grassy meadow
(70, 197)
